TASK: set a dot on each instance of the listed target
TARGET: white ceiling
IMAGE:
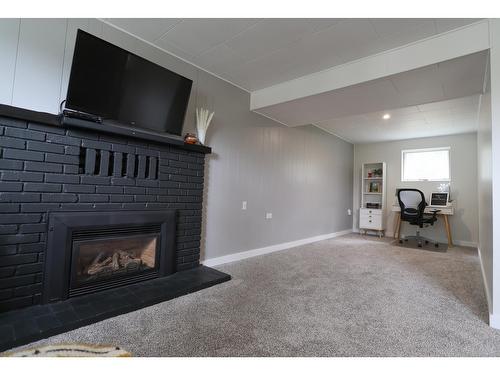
(448, 117)
(446, 80)
(439, 99)
(258, 53)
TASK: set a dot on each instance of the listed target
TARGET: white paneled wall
(9, 36)
(36, 56)
(39, 64)
(32, 62)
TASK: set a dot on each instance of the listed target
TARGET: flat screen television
(114, 84)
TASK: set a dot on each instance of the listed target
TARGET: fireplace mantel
(59, 121)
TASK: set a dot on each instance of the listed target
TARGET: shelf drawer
(370, 221)
(370, 211)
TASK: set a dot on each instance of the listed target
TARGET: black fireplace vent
(117, 164)
(83, 234)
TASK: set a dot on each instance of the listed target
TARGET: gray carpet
(349, 296)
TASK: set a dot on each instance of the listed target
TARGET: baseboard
(271, 249)
(486, 289)
(465, 243)
(495, 321)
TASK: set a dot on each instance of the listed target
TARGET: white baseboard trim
(495, 321)
(486, 289)
(271, 249)
(465, 243)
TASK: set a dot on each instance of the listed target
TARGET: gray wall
(302, 175)
(463, 157)
(484, 179)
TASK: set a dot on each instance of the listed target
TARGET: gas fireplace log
(119, 260)
(114, 262)
(98, 267)
(95, 263)
(105, 269)
(97, 259)
(132, 263)
(124, 256)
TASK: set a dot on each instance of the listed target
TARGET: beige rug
(72, 350)
(346, 296)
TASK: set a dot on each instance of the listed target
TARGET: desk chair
(412, 203)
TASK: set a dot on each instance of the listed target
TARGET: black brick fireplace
(51, 171)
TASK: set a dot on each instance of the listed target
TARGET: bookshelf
(373, 192)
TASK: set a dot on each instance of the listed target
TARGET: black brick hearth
(47, 167)
(33, 323)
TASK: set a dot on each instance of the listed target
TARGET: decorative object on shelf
(370, 174)
(203, 118)
(374, 187)
(377, 172)
(190, 139)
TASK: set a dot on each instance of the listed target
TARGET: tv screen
(114, 84)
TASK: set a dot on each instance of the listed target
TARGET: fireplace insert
(88, 251)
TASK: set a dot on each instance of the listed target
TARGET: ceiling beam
(446, 46)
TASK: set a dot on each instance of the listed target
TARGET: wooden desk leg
(397, 227)
(448, 230)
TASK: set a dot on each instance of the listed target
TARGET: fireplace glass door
(111, 260)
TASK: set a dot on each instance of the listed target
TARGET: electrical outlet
(244, 205)
(349, 212)
(269, 215)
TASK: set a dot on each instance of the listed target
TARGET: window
(428, 164)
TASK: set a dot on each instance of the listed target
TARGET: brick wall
(47, 168)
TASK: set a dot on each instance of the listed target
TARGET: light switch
(244, 205)
(269, 215)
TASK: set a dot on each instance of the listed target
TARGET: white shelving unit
(373, 192)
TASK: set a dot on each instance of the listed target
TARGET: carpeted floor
(349, 296)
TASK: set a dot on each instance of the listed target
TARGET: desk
(444, 213)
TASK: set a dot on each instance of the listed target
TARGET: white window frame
(403, 152)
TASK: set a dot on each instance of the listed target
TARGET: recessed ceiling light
(386, 116)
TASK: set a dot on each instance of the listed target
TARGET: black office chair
(412, 203)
